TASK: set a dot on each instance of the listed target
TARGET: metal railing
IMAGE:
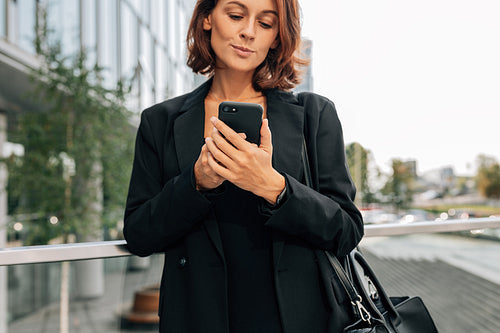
(110, 249)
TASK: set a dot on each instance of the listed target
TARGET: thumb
(265, 137)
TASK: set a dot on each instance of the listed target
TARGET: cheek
(221, 30)
(269, 43)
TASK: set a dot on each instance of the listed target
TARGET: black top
(248, 252)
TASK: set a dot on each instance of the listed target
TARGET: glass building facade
(141, 41)
(132, 39)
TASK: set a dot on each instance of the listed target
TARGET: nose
(248, 30)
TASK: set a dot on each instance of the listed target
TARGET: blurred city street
(478, 256)
(457, 277)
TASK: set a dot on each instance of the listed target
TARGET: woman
(239, 229)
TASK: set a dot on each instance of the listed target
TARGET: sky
(411, 79)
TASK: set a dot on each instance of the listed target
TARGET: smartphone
(243, 118)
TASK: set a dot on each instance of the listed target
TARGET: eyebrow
(268, 11)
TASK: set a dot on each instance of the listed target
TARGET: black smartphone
(243, 118)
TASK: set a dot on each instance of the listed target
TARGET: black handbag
(402, 314)
(373, 310)
(367, 319)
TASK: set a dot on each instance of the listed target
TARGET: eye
(265, 25)
(235, 17)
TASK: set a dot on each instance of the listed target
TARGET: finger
(206, 177)
(230, 135)
(223, 144)
(217, 153)
(265, 136)
(203, 153)
(219, 169)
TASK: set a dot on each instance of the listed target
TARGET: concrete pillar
(90, 273)
(90, 278)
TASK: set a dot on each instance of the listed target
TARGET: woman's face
(242, 32)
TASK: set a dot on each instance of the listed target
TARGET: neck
(232, 87)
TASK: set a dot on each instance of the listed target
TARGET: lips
(242, 51)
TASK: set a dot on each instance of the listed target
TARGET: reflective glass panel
(89, 29)
(129, 41)
(172, 29)
(63, 18)
(3, 18)
(104, 295)
(25, 26)
(107, 41)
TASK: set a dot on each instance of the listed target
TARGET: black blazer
(165, 213)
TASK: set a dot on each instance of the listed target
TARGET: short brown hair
(278, 70)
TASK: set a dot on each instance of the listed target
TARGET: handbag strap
(357, 257)
(356, 299)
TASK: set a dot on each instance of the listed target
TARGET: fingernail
(213, 120)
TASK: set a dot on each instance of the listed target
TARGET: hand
(246, 165)
(206, 177)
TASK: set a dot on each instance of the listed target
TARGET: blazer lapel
(286, 121)
(189, 127)
(188, 136)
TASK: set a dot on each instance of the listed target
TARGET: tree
(74, 174)
(358, 159)
(399, 187)
(488, 177)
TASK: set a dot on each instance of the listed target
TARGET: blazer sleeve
(324, 216)
(157, 214)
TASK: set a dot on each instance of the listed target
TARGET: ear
(207, 23)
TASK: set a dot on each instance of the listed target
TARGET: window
(161, 73)
(3, 19)
(172, 29)
(88, 27)
(25, 25)
(129, 50)
(63, 17)
(156, 21)
(106, 41)
(147, 66)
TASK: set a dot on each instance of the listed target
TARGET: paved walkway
(458, 278)
(460, 300)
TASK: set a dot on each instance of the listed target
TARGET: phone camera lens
(226, 109)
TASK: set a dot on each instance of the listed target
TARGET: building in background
(136, 40)
(132, 39)
(307, 79)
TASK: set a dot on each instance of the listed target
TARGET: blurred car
(416, 215)
(377, 216)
